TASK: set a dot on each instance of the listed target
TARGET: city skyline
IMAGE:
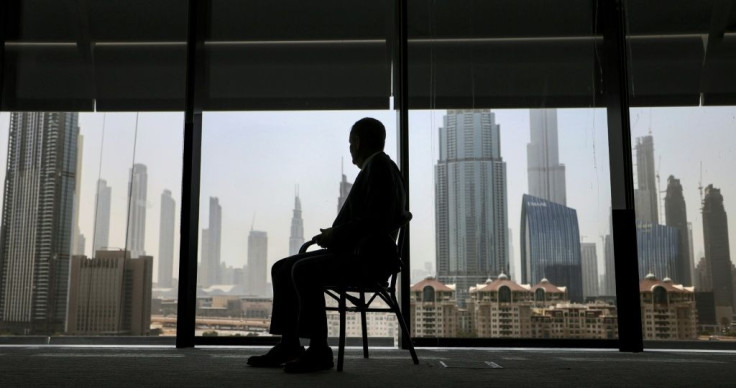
(580, 130)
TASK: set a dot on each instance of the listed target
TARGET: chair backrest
(401, 245)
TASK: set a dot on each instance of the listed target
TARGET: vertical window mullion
(192, 155)
(616, 86)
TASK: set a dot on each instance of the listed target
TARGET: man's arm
(324, 238)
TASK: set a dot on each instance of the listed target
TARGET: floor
(165, 366)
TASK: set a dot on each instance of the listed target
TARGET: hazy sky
(252, 161)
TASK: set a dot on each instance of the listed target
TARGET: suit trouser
(298, 296)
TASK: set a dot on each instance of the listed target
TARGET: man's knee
(312, 271)
(302, 272)
(281, 268)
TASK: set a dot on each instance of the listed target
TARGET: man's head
(367, 137)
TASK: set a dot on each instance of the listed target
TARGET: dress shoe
(312, 360)
(277, 356)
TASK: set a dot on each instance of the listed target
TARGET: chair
(386, 291)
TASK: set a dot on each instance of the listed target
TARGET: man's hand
(324, 239)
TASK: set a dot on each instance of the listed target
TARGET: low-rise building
(434, 311)
(575, 321)
(668, 310)
(501, 309)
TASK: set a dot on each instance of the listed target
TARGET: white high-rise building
(211, 245)
(137, 197)
(589, 263)
(101, 237)
(471, 215)
(545, 173)
(38, 221)
(166, 240)
(79, 242)
(257, 263)
(296, 239)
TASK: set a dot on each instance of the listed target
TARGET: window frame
(615, 98)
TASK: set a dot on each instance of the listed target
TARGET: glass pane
(270, 181)
(681, 60)
(73, 182)
(516, 200)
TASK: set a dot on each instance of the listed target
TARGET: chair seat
(368, 286)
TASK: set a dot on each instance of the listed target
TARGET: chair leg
(341, 344)
(404, 329)
(364, 325)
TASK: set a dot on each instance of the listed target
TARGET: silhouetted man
(374, 209)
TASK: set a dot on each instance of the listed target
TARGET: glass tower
(550, 245)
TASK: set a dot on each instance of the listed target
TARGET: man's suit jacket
(374, 209)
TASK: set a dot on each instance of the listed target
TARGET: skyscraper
(550, 245)
(717, 252)
(37, 221)
(100, 239)
(79, 241)
(345, 187)
(296, 239)
(211, 245)
(166, 240)
(137, 197)
(590, 269)
(545, 173)
(608, 285)
(646, 196)
(657, 247)
(676, 217)
(257, 257)
(470, 196)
